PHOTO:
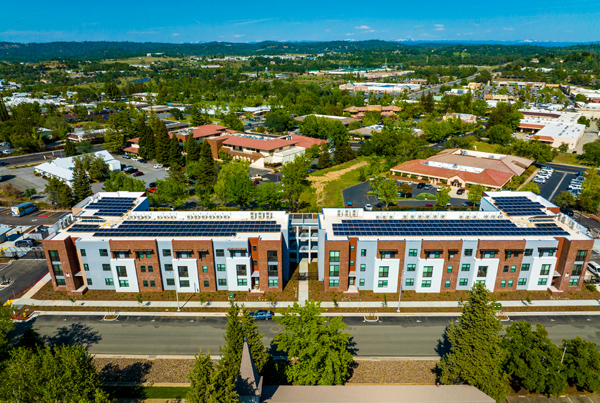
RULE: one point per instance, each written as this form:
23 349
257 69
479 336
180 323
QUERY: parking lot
23 274
151 174
559 181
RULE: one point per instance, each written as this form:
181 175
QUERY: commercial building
62 168
358 112
116 244
552 127
465 117
344 120
380 88
458 167
517 241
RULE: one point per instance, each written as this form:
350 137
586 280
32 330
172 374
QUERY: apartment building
115 243
517 241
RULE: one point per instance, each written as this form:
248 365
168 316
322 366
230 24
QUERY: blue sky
250 21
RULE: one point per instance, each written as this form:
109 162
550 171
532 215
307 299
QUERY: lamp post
399 296
177 294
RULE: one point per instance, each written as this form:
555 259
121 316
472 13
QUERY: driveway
23 274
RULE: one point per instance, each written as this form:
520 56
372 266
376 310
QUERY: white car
538 180
368 207
158 166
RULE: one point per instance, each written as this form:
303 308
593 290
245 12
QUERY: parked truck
23 208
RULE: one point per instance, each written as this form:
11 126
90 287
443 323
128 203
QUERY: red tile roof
133 150
265 145
531 126
134 140
208 130
306 142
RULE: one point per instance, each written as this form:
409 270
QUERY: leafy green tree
388 190
476 354
564 200
443 196
474 193
192 150
591 152
145 138
233 184
232 121
405 188
119 181
279 121
532 360
228 365
70 149
175 154
111 90
316 346
582 362
171 190
479 107
343 152
324 157
29 192
59 193
499 134
3 111
113 140
505 114
94 166
208 167
484 76
176 113
82 187
269 195
197 118
531 187
162 142
85 147
6 327
200 379
294 180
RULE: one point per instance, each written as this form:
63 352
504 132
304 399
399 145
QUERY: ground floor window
542 281
60 281
222 282
170 281
242 281
426 283
463 282
334 283
382 283
273 283
123 283
572 282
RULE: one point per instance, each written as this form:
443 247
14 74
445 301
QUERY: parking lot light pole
399 297
177 294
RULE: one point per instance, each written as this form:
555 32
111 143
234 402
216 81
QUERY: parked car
138 173
368 207
349 204
152 190
141 160
125 156
3 164
262 314
567 211
537 179
468 203
131 170
460 191
428 186
158 166
429 205
134 157
420 185
25 243
152 185
594 268
409 183
6 151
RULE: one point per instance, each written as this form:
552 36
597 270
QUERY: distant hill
34 52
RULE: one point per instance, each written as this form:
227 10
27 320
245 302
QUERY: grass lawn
345 165
147 392
566 158
485 147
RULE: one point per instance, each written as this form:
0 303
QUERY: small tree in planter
202 299
139 299
73 300
334 300
384 303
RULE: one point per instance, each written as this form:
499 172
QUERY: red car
138 173
429 205
152 190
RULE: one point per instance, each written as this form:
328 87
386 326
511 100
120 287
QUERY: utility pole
177 294
399 296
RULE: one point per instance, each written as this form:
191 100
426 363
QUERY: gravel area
133 370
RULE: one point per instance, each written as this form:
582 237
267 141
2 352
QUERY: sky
189 21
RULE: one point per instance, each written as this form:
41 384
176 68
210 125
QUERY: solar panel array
387 228
519 206
112 206
180 228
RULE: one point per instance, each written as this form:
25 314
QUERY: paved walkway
303 283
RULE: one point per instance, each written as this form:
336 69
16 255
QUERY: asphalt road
393 336
24 274
39 157
436 88
36 218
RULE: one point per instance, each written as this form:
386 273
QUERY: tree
233 184
176 113
269 195
279 121
532 360
232 121
531 187
171 190
499 134
82 187
175 155
59 193
484 76
294 174
479 107
85 147
6 327
253 336
119 181
29 192
343 152
565 199
505 114
70 149
591 152
584 121
3 112
145 138
192 150
200 379
208 168
113 140
388 190
111 90
443 196
316 346
405 188
197 118
162 141
474 193
582 363
476 354
94 166
324 157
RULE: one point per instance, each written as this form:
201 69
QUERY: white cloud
508 29
238 35
439 27
328 30
349 34
476 25
175 34
247 22
418 26
362 27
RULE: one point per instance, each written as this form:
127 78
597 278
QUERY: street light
177 294
399 297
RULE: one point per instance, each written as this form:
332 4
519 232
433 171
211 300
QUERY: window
411 267
465 267
271 256
513 268
183 254
488 254
272 270
143 269
412 252
480 282
363 267
463 282
522 281
109 281
82 251
202 254
253 248
545 270
242 281
123 283
382 283
577 269
168 267
206 283
166 252
449 269
505 269
152 283
572 282
204 269
86 267
426 283
547 252
388 254
121 271
139 255
220 267
482 271
581 254
255 263
150 269
433 254
334 283
241 269
509 254
503 283
510 283
61 281
528 252
145 282
183 271
184 283
447 283
525 267
468 252
409 282
89 281
428 271
220 252
334 270
273 282
334 255
351 248
542 281
384 271
53 255
352 263
171 281
121 255
361 282
363 252
451 254
104 252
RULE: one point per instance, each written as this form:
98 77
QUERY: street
412 336
23 274
435 89
39 157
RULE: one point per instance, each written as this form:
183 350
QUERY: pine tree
254 338
70 149
324 157
146 138
476 354
201 377
231 353
343 153
175 155
197 118
192 149
82 187
208 171
3 112
161 142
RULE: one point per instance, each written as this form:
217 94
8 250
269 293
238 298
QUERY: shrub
591 287
413 177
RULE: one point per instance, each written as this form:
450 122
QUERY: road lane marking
557 186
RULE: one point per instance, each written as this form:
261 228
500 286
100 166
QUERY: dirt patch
319 182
